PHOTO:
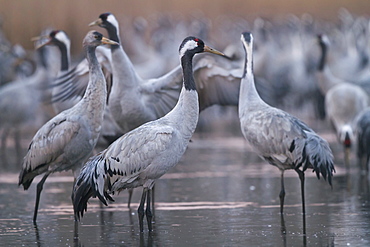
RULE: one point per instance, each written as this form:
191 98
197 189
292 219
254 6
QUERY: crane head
346 136
195 45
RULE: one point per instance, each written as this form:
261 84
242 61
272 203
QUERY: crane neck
248 65
113 34
248 97
185 114
323 57
65 51
187 68
65 54
96 87
42 54
123 70
91 56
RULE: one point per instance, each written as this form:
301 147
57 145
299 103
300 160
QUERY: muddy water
220 194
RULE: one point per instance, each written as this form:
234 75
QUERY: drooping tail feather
28 173
90 183
319 156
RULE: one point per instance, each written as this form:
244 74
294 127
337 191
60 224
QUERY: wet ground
220 194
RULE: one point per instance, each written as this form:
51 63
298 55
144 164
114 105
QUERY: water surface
220 194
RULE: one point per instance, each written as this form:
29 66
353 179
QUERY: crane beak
38 38
106 41
96 23
214 51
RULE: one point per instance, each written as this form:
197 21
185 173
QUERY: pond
220 194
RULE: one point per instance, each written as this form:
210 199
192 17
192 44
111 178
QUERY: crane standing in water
279 138
66 141
143 155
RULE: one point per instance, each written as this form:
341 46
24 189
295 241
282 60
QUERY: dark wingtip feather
26 177
85 188
320 157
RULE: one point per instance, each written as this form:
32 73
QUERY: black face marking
53 33
104 16
98 36
247 37
200 44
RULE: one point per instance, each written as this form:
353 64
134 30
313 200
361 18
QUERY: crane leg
302 178
130 191
153 199
148 212
347 152
140 210
40 186
129 197
282 193
4 136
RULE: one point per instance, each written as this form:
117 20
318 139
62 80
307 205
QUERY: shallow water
220 194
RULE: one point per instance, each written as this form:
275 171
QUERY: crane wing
49 142
277 130
121 163
136 150
161 94
47 146
73 83
125 159
216 84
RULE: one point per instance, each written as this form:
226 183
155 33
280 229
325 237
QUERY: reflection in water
37 234
283 229
219 195
75 232
149 239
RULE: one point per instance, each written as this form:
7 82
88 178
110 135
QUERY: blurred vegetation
23 19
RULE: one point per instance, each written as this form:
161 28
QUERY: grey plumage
343 100
59 39
144 154
363 139
278 137
65 95
66 141
21 102
134 101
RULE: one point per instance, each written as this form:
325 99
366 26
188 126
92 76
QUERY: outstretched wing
217 82
73 83
161 94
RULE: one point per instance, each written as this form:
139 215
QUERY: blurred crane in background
343 101
21 103
363 139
